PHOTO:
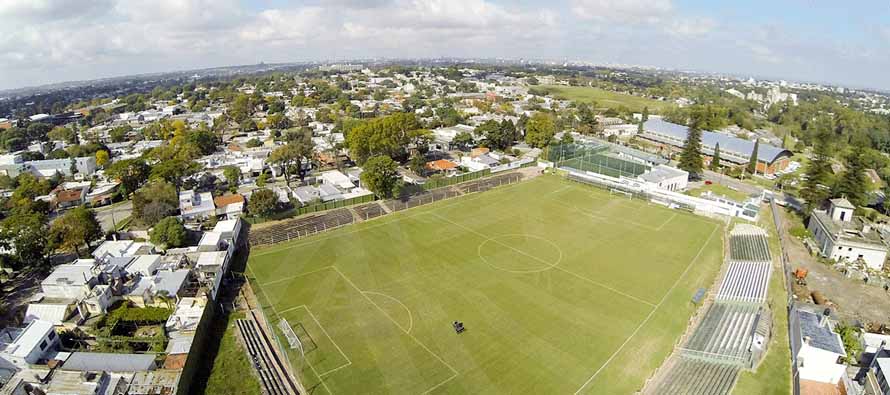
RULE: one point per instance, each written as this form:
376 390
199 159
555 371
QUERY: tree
690 157
233 176
286 157
645 115
752 162
416 164
852 184
168 233
262 179
380 175
25 233
76 228
463 140
567 138
154 202
819 173
101 158
119 134
390 135
715 160
539 130
60 133
131 173
262 202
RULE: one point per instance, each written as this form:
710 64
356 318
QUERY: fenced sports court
595 158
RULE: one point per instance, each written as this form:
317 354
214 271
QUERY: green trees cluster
380 176
262 202
168 233
155 201
76 228
539 130
390 136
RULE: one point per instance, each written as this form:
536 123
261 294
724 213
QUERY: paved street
110 215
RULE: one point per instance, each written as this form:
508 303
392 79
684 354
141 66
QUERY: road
108 216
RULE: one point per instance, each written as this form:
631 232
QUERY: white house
194 205
23 346
842 237
667 177
72 281
816 348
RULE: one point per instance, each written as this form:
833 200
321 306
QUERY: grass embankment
232 372
719 190
606 99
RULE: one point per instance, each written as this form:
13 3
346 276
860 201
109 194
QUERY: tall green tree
690 157
154 202
77 228
539 130
168 233
380 176
715 160
752 162
817 186
262 202
131 173
24 232
852 183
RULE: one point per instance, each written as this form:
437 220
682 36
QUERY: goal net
613 191
295 344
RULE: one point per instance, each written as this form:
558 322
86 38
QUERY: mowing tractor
800 276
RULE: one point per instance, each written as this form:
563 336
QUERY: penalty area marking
410 316
548 265
340 350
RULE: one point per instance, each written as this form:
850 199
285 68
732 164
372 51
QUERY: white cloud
624 11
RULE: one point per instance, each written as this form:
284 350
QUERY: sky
839 42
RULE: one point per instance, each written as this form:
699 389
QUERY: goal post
295 344
613 191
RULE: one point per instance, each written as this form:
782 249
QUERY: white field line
410 316
454 371
348 361
603 218
648 317
272 306
326 236
340 350
556 191
543 261
660 227
288 278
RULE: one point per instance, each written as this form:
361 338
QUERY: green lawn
606 99
562 288
718 189
233 373
773 375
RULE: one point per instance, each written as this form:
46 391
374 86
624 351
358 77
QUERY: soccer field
563 289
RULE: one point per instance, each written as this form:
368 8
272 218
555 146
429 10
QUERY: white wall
874 259
819 365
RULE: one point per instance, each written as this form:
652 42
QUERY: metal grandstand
723 341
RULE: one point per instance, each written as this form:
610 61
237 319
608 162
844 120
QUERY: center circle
520 253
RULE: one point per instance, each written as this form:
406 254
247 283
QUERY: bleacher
694 376
721 344
745 282
300 227
725 333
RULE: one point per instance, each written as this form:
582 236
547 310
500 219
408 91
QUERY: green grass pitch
563 289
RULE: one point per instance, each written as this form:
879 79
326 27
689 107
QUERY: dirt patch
853 299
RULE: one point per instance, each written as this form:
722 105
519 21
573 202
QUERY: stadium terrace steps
726 330
745 282
695 376
720 345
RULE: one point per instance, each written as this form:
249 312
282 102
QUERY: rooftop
656 126
109 362
854 230
820 336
